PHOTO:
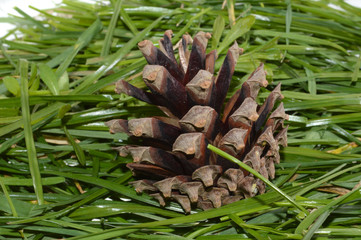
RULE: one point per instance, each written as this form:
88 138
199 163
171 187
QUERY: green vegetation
60 177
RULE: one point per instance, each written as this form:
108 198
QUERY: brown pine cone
173 162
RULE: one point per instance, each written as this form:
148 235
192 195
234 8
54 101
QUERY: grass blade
312 87
31 151
356 69
12 85
49 78
318 223
8 198
126 19
78 150
218 28
231 16
110 30
288 19
14 181
242 26
299 37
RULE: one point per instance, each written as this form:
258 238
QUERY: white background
7 7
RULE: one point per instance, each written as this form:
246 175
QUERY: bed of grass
60 178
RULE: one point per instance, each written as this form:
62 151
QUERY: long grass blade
110 30
31 150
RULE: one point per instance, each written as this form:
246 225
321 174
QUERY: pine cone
173 161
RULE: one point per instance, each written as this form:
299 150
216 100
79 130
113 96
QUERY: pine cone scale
197 56
154 56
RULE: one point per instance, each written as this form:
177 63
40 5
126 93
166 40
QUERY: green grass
57 75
